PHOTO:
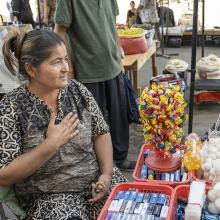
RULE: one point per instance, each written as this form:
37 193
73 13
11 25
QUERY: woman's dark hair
33 47
132 2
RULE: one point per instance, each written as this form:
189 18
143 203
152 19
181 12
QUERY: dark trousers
111 98
28 20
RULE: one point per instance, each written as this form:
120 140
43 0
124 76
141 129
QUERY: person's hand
100 188
15 19
61 133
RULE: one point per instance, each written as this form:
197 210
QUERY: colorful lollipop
162 115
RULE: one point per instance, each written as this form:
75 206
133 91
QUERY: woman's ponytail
33 48
11 51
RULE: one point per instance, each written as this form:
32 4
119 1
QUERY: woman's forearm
104 153
26 164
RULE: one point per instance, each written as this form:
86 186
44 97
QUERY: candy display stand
162 113
161 164
137 172
141 187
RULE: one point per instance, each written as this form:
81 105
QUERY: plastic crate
137 171
140 187
179 192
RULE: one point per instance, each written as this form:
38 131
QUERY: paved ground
204 114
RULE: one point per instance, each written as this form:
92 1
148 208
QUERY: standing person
131 15
40 16
22 12
9 7
90 30
47 11
49 8
55 145
148 13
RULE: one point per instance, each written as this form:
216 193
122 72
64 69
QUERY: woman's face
132 5
52 73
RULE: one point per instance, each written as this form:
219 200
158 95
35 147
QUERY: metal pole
39 15
203 27
193 64
162 32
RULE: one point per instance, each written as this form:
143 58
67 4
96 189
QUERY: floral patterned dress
60 189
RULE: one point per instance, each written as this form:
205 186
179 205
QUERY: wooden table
134 63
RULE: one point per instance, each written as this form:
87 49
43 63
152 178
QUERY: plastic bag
7 197
176 65
209 63
131 96
133 45
216 132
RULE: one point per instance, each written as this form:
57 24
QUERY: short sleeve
99 125
64 13
10 138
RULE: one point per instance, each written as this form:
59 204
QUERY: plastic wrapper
176 65
209 64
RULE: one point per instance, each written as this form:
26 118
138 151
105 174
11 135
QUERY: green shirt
91 37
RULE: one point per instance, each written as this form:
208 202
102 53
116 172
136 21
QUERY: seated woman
55 145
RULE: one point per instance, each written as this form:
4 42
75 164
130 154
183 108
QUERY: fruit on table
133 32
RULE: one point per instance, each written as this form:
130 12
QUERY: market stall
167 163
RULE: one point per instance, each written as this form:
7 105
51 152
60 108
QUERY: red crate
179 192
140 187
137 171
